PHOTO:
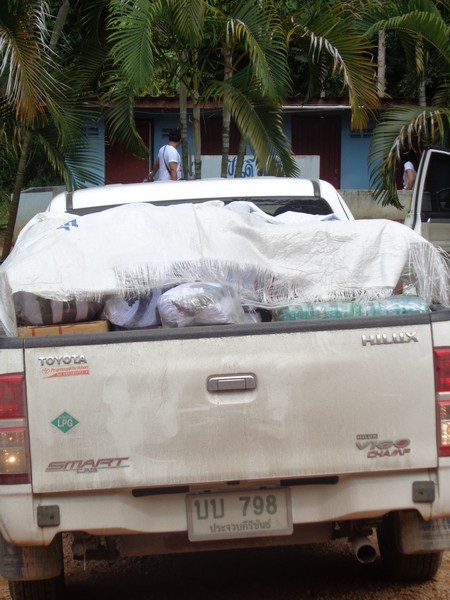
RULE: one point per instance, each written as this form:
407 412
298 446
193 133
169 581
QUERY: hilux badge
380 339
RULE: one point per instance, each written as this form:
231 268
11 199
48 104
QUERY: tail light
442 385
14 456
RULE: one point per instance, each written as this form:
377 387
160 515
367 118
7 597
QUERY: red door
317 134
123 167
211 132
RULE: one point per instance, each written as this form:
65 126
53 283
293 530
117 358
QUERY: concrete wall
363 206
32 202
309 166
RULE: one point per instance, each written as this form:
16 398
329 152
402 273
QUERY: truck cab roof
272 194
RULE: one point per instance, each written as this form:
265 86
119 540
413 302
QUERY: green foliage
421 31
400 129
337 58
42 92
247 56
41 100
192 41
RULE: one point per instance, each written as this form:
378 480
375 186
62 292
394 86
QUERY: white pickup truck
429 213
158 440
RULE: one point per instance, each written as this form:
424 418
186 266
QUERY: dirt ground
325 572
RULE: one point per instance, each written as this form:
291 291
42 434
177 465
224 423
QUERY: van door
430 207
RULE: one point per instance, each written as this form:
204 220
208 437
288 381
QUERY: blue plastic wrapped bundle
336 309
395 305
316 310
136 313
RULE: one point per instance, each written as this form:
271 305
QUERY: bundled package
135 313
402 304
32 309
190 304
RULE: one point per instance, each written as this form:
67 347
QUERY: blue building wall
354 156
95 131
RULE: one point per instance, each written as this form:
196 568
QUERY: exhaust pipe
363 549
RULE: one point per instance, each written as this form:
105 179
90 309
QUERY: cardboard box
69 329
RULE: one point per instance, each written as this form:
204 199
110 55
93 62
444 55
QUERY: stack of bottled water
401 304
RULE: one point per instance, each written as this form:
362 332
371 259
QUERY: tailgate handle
230 383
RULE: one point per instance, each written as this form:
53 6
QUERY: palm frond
331 34
429 25
120 122
259 28
27 61
188 20
92 16
398 130
131 38
442 96
260 122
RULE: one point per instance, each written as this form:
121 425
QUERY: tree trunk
197 135
196 116
226 117
422 94
226 122
240 157
381 83
184 130
61 18
421 60
14 206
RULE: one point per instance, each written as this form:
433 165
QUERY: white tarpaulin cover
132 249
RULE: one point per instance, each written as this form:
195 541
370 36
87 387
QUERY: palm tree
38 100
24 94
187 25
193 31
420 26
254 83
144 44
326 34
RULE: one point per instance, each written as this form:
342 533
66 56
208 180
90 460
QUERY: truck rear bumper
35 520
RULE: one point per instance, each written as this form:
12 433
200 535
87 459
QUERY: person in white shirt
409 175
168 161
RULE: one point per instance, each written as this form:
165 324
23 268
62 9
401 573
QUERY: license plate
239 514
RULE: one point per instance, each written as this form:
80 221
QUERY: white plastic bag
190 304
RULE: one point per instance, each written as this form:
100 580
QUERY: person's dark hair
174 135
409 155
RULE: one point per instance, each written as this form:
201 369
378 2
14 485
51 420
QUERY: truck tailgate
310 401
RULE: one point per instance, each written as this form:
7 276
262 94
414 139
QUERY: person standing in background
409 174
168 161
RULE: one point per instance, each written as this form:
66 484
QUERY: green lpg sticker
64 422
